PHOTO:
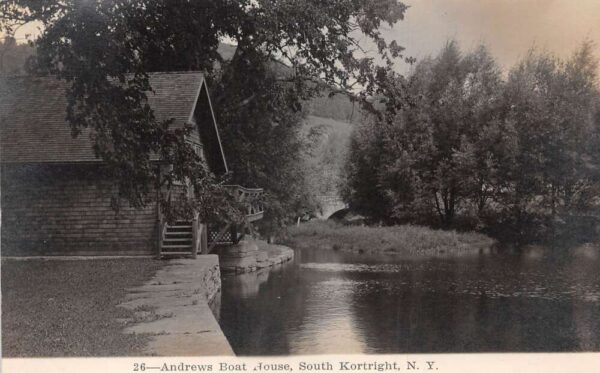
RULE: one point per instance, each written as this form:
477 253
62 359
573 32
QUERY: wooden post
159 233
233 232
204 239
194 237
160 241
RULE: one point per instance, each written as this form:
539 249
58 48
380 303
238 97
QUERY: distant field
406 240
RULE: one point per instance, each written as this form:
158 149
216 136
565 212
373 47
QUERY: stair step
177 233
176 253
167 246
185 239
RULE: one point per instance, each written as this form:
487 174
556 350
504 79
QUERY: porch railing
250 199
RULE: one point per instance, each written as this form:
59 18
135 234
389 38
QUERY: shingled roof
33 116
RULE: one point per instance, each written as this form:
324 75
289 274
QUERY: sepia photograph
288 178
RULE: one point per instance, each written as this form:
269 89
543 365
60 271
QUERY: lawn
69 308
409 240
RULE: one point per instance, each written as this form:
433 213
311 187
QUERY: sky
509 28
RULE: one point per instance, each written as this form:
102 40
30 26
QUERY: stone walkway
173 307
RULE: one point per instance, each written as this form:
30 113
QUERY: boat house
55 197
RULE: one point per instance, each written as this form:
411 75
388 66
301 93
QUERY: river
332 302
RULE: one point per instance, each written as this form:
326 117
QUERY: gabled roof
33 126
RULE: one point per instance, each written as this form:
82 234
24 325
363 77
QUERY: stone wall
251 255
240 257
66 210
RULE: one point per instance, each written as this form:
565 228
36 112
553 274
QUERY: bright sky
508 27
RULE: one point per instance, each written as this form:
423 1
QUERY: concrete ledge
275 254
173 307
248 256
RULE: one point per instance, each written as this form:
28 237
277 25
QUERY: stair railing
162 226
195 235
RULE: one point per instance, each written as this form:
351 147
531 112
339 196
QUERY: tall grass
401 239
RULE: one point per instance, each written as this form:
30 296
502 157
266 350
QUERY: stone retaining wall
248 256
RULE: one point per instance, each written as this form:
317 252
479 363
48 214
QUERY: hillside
338 107
330 140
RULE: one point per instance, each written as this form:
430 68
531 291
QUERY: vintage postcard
300 185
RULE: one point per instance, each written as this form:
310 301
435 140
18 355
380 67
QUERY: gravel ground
69 308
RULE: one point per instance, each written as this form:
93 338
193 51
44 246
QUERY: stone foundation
248 256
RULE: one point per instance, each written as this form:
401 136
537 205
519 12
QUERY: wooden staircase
178 238
189 238
182 238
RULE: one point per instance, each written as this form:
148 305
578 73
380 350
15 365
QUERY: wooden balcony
250 199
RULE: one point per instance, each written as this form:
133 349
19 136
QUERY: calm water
331 302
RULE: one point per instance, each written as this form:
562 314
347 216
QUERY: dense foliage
472 147
262 135
14 56
105 48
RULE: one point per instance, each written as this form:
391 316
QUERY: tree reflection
338 302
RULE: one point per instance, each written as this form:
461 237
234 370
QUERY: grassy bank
69 308
404 239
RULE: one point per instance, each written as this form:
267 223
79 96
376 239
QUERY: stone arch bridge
330 204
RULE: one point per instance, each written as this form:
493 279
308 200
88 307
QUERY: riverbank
69 307
408 240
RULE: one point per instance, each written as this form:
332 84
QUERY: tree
105 48
520 154
365 162
14 57
551 106
438 148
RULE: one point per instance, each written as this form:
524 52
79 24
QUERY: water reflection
333 302
329 312
586 320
